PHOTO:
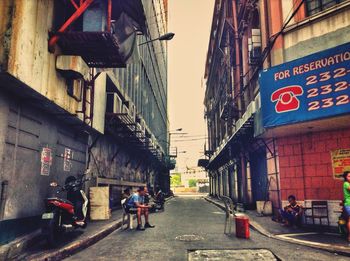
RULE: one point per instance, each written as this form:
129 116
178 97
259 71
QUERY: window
316 6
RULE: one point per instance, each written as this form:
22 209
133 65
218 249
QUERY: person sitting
126 193
292 213
146 197
137 202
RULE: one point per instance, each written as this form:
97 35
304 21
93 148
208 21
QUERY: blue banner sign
313 87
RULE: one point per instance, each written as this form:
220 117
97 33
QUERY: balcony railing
107 34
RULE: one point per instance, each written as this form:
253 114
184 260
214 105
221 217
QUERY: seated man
292 213
136 202
126 193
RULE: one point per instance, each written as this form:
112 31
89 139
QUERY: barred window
316 6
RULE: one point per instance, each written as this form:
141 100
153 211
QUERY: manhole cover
238 254
189 238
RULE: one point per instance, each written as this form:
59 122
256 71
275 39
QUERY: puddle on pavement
236 254
189 238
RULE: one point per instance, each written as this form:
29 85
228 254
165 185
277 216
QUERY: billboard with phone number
313 87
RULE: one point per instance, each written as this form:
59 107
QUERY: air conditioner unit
125 109
114 103
143 126
255 55
139 130
150 143
153 139
254 47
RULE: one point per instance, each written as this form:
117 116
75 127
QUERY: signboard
67 159
46 161
340 162
313 87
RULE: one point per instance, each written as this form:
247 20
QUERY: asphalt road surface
192 229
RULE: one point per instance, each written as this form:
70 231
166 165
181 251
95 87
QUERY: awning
134 9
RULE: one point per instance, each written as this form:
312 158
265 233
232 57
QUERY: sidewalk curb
17 246
345 251
79 245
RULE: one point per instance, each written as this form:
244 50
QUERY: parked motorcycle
159 200
64 215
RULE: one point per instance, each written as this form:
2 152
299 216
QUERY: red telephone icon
286 98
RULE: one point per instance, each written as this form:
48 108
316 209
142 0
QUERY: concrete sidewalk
73 241
34 247
323 240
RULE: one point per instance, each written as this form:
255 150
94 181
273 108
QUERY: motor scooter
64 215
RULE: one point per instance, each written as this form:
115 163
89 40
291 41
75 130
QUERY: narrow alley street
220 110
189 216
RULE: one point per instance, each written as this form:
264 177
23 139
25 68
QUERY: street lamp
165 37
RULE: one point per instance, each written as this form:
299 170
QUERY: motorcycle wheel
51 231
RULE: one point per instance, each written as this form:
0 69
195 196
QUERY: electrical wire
270 45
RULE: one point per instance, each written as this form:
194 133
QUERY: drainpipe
267 30
244 179
277 173
237 83
3 197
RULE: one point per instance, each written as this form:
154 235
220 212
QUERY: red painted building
259 155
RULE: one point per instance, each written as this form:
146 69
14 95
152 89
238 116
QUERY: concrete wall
307 35
28 133
24 29
110 160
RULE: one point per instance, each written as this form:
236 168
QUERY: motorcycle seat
61 200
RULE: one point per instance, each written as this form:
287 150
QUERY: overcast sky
190 20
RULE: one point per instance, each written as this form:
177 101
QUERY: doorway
258 167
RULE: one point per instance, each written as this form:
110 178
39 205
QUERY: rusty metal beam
74 4
84 5
109 15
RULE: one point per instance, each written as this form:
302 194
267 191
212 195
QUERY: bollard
242 226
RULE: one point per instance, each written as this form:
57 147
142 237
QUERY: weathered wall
28 132
100 101
316 33
108 159
6 11
305 164
25 55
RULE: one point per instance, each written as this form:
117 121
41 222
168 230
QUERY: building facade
84 98
277 102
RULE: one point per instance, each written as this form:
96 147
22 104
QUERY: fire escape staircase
101 50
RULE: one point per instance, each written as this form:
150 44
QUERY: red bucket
242 227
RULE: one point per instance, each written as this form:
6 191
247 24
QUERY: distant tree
175 180
192 183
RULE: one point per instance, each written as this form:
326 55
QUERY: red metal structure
99 49
79 11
